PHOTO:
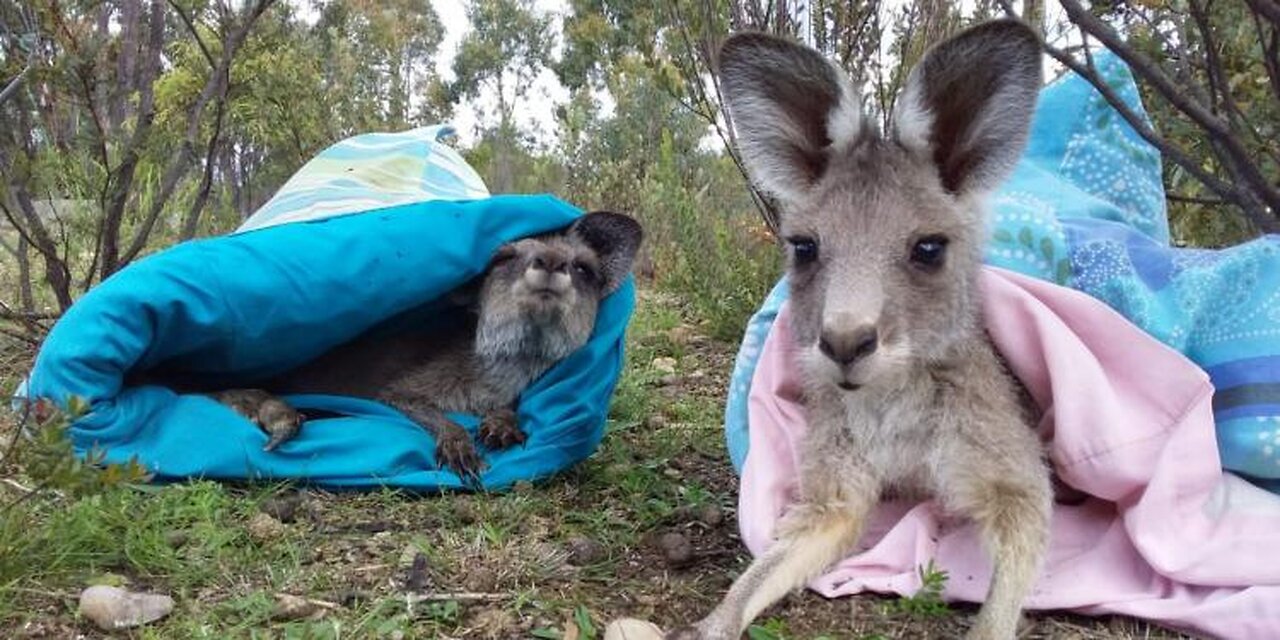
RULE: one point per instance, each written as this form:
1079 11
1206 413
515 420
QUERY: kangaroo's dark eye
584 270
805 250
928 252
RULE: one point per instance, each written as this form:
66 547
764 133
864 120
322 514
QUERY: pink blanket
1166 536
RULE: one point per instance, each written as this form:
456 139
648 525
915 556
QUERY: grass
555 560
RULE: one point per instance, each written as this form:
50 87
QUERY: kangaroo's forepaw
500 431
280 421
456 451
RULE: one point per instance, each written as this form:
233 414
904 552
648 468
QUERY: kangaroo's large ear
969 101
790 108
615 238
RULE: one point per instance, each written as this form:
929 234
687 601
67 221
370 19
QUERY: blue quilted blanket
1085 208
268 298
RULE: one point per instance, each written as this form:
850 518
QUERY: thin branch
1268 9
216 86
1259 190
18 335
121 182
1270 47
12 86
1194 199
726 133
1229 192
7 313
195 33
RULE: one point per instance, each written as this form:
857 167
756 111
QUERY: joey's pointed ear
615 238
790 108
968 104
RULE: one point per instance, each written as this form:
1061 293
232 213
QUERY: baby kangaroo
903 390
536 304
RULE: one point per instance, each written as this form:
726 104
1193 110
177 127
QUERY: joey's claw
460 455
500 432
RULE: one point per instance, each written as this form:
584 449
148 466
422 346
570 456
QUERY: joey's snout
847 345
548 272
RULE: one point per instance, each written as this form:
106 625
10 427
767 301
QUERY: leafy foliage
927 602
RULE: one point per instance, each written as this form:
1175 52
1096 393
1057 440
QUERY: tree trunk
126 64
25 297
122 179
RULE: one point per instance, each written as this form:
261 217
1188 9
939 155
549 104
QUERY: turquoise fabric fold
248 305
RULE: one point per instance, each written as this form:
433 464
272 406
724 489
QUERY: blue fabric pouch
256 303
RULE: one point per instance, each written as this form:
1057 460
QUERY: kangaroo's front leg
277 418
454 448
1011 505
811 536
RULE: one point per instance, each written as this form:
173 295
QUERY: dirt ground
645 528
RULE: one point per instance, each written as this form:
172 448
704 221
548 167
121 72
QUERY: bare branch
215 88
195 33
12 86
121 182
1253 193
1174 197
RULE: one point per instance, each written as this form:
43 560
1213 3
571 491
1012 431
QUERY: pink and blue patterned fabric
1085 208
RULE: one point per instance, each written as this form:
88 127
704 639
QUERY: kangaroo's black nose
848 346
551 263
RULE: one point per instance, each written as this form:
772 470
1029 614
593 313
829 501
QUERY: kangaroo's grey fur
537 304
904 392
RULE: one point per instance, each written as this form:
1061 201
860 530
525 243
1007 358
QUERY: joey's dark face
546 279
546 290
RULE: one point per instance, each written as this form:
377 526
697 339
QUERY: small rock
664 365
417 579
632 629
672 472
291 607
114 608
710 515
676 550
655 421
584 551
264 528
669 380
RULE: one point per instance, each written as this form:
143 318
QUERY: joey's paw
458 453
500 431
281 422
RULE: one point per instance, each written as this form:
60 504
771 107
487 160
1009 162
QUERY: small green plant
770 629
927 602
444 612
43 451
582 618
